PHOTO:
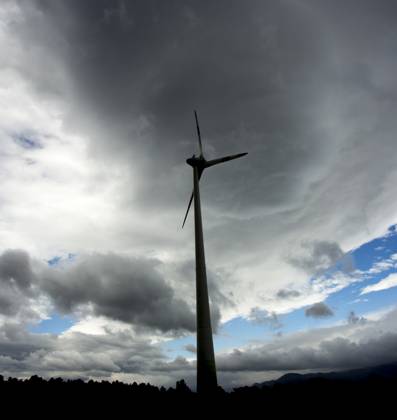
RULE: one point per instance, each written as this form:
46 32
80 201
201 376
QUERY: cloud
15 269
191 348
354 319
295 84
261 316
386 283
287 294
340 347
27 142
282 85
118 352
319 310
75 354
338 353
182 277
122 288
319 255
19 295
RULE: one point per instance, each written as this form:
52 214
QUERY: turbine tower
206 368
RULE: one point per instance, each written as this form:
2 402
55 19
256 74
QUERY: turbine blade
188 208
191 199
223 159
198 133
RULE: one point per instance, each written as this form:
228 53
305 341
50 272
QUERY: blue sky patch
365 265
54 325
27 142
58 259
54 261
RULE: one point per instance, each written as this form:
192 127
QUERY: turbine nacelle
197 161
201 163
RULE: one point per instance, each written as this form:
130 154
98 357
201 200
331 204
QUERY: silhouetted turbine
206 368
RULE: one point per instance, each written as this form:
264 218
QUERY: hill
381 372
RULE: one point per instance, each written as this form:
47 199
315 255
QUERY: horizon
97 278
369 373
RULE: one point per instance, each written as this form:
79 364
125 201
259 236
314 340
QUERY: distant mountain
388 371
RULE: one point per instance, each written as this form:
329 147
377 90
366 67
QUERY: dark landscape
358 390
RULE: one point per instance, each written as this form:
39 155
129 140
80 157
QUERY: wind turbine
206 368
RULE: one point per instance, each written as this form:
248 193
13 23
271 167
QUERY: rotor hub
196 161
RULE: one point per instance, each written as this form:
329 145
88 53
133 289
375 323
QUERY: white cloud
54 198
386 283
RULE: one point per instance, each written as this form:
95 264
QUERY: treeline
102 396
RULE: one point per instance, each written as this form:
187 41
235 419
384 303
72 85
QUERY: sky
97 98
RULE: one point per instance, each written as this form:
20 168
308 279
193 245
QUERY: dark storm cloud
319 255
18 344
326 348
75 354
82 355
319 310
15 268
182 277
10 300
141 68
16 284
338 353
218 299
292 83
121 288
